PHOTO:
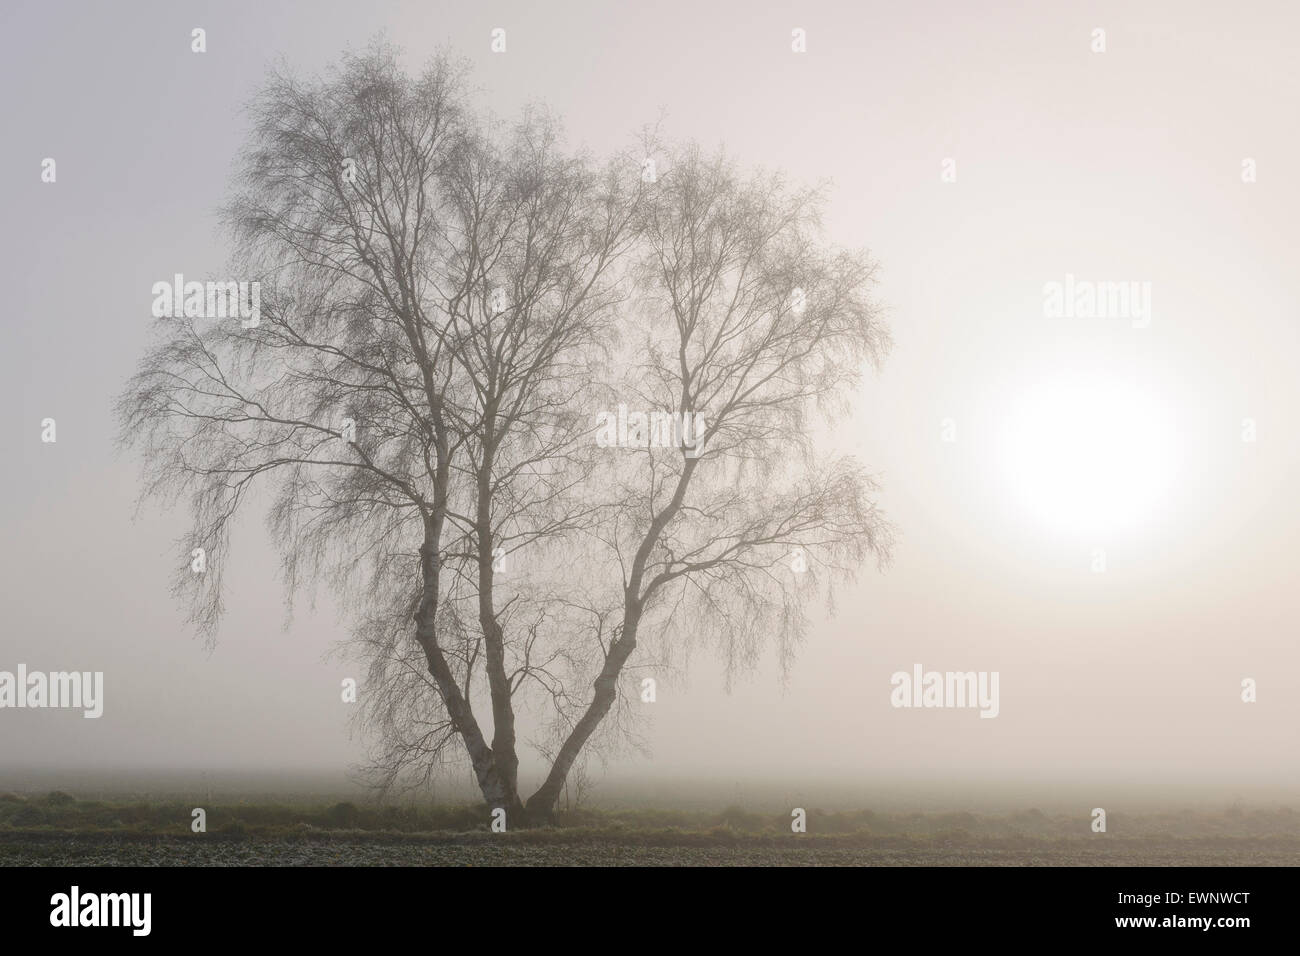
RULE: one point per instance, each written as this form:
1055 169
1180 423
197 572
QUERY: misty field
56 829
602 850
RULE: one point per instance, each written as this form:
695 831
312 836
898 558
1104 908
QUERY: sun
1088 456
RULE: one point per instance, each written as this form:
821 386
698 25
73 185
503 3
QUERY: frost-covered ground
58 828
478 851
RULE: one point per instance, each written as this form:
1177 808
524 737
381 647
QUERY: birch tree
450 309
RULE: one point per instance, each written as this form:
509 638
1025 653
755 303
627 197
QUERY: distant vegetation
59 813
58 829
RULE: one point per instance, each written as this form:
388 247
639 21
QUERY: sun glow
1089 456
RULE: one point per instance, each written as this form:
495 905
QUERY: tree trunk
496 790
541 805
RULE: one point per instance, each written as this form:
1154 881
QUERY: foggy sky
1124 165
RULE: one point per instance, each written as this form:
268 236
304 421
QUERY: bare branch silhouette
448 308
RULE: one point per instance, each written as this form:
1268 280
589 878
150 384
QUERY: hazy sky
1122 166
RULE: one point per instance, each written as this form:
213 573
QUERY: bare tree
446 305
748 324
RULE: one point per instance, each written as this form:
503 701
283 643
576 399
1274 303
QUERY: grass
58 815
